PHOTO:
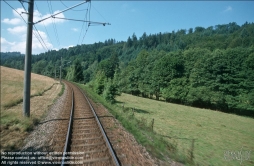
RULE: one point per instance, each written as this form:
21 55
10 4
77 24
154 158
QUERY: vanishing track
80 137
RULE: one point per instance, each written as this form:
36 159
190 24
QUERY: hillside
201 67
14 126
12 85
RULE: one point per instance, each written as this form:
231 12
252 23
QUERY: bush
110 92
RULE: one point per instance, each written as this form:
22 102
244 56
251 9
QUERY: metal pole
61 71
27 68
55 71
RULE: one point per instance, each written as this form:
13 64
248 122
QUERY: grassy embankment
13 125
184 131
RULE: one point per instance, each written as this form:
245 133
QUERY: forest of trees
203 67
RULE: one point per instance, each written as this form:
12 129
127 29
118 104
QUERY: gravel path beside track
39 139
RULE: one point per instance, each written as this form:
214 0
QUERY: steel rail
67 141
112 152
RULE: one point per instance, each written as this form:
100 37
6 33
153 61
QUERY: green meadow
215 138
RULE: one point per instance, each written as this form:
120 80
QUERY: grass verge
62 90
141 130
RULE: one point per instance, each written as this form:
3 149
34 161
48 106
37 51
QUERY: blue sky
125 17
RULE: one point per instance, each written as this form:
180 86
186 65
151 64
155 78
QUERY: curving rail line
86 135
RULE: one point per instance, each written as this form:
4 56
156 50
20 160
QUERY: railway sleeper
80 135
84 127
83 116
82 121
87 138
93 130
87 142
89 146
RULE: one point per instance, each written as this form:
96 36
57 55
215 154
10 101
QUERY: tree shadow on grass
136 110
119 102
141 111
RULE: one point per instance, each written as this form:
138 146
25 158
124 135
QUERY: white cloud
20 43
67 47
229 8
74 29
6 45
17 20
17 30
14 21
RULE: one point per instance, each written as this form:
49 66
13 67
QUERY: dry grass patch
214 132
12 85
15 127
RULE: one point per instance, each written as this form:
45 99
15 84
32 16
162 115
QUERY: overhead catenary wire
83 24
44 25
91 22
15 11
72 9
36 35
85 34
84 21
99 13
52 16
22 5
62 11
53 22
40 37
55 25
87 25
26 23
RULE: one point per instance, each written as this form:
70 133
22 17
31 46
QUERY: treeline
219 79
12 59
203 67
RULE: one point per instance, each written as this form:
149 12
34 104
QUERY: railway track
80 137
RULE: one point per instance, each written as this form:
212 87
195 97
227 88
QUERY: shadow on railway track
106 116
51 120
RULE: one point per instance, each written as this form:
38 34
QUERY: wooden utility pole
28 57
